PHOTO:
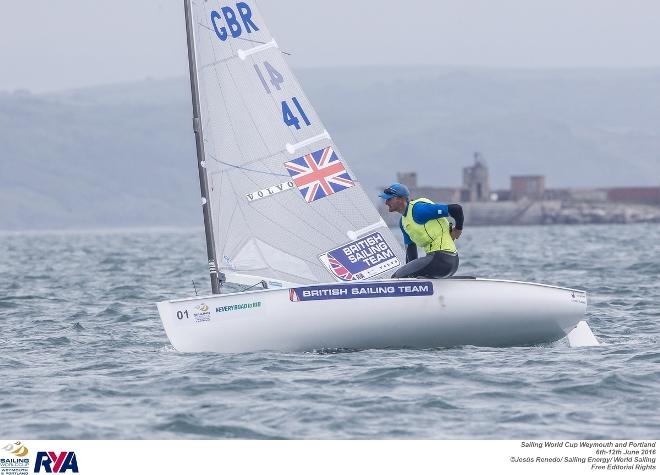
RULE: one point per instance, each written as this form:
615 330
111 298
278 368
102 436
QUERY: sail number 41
276 79
290 118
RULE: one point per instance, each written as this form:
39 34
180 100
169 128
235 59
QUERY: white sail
283 200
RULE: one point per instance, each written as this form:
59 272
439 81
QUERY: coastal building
527 186
646 195
476 185
528 201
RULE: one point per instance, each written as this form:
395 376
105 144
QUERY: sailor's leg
442 265
414 268
454 267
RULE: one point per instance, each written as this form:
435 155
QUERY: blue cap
395 190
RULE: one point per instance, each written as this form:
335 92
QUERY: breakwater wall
528 212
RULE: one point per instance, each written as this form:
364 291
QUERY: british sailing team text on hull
406 287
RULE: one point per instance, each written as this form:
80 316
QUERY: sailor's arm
411 247
424 212
456 212
411 252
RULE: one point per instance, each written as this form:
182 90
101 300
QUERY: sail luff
201 157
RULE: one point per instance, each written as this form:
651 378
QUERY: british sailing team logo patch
361 259
319 174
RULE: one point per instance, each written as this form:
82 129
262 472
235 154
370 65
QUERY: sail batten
285 203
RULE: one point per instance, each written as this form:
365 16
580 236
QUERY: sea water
84 354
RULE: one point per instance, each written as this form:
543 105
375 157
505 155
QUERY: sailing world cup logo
19 463
17 449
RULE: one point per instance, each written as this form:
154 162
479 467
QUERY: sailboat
287 221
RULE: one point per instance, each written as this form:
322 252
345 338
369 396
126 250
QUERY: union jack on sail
319 174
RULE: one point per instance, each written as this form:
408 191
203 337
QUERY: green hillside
123 155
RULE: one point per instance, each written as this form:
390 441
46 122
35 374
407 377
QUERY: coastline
548 212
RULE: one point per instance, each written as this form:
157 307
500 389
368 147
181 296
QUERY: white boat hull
455 312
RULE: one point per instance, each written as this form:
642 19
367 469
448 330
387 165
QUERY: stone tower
475 180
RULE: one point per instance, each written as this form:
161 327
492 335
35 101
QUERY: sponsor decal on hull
202 312
579 297
240 306
361 291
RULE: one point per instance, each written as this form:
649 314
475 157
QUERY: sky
48 45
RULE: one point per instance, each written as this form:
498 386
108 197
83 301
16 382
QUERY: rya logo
56 463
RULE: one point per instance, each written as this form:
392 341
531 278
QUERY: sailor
424 223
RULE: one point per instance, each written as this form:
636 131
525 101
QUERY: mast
216 278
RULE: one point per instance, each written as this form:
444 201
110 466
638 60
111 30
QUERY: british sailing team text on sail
372 250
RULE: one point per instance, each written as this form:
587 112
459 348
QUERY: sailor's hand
456 233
